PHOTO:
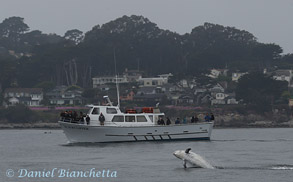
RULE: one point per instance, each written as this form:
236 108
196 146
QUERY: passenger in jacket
102 119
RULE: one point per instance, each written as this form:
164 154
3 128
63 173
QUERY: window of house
129 118
141 119
96 111
111 111
118 119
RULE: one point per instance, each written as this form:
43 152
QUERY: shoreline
30 126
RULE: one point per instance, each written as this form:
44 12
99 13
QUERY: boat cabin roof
116 110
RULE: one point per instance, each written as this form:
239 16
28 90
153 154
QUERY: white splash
282 168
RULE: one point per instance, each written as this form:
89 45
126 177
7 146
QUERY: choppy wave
276 167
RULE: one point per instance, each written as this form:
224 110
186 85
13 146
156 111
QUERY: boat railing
72 120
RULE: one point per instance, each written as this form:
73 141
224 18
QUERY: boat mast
117 85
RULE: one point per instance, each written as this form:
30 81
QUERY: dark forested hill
29 58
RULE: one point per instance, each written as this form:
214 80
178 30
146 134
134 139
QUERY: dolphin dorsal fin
187 150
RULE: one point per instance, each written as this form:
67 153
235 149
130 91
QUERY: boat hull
77 133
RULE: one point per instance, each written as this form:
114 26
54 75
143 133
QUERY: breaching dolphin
192 159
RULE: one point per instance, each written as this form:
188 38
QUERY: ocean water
238 154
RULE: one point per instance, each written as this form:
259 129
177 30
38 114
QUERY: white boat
130 127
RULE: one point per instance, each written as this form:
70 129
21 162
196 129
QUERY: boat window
141 119
129 118
96 111
89 111
151 118
118 119
111 111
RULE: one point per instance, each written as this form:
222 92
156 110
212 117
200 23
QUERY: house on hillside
237 76
231 100
215 73
132 75
223 98
154 81
107 79
61 95
185 100
218 88
26 96
284 75
151 82
219 99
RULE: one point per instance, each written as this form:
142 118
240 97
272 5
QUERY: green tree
74 35
12 27
260 91
8 70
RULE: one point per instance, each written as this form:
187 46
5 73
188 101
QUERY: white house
167 76
219 99
107 79
231 100
62 96
284 75
184 83
215 73
26 96
132 75
150 82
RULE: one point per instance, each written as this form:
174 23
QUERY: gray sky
269 20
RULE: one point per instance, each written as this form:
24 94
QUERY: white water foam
282 168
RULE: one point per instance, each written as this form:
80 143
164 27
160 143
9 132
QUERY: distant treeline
32 58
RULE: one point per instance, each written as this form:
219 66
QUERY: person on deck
212 117
207 118
162 122
102 119
75 115
192 119
177 121
184 121
196 119
168 122
87 119
159 121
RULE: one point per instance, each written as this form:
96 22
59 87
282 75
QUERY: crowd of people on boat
194 119
74 117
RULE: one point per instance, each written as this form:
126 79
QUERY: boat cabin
114 117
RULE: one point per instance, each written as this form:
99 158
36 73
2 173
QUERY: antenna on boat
157 104
108 100
117 85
